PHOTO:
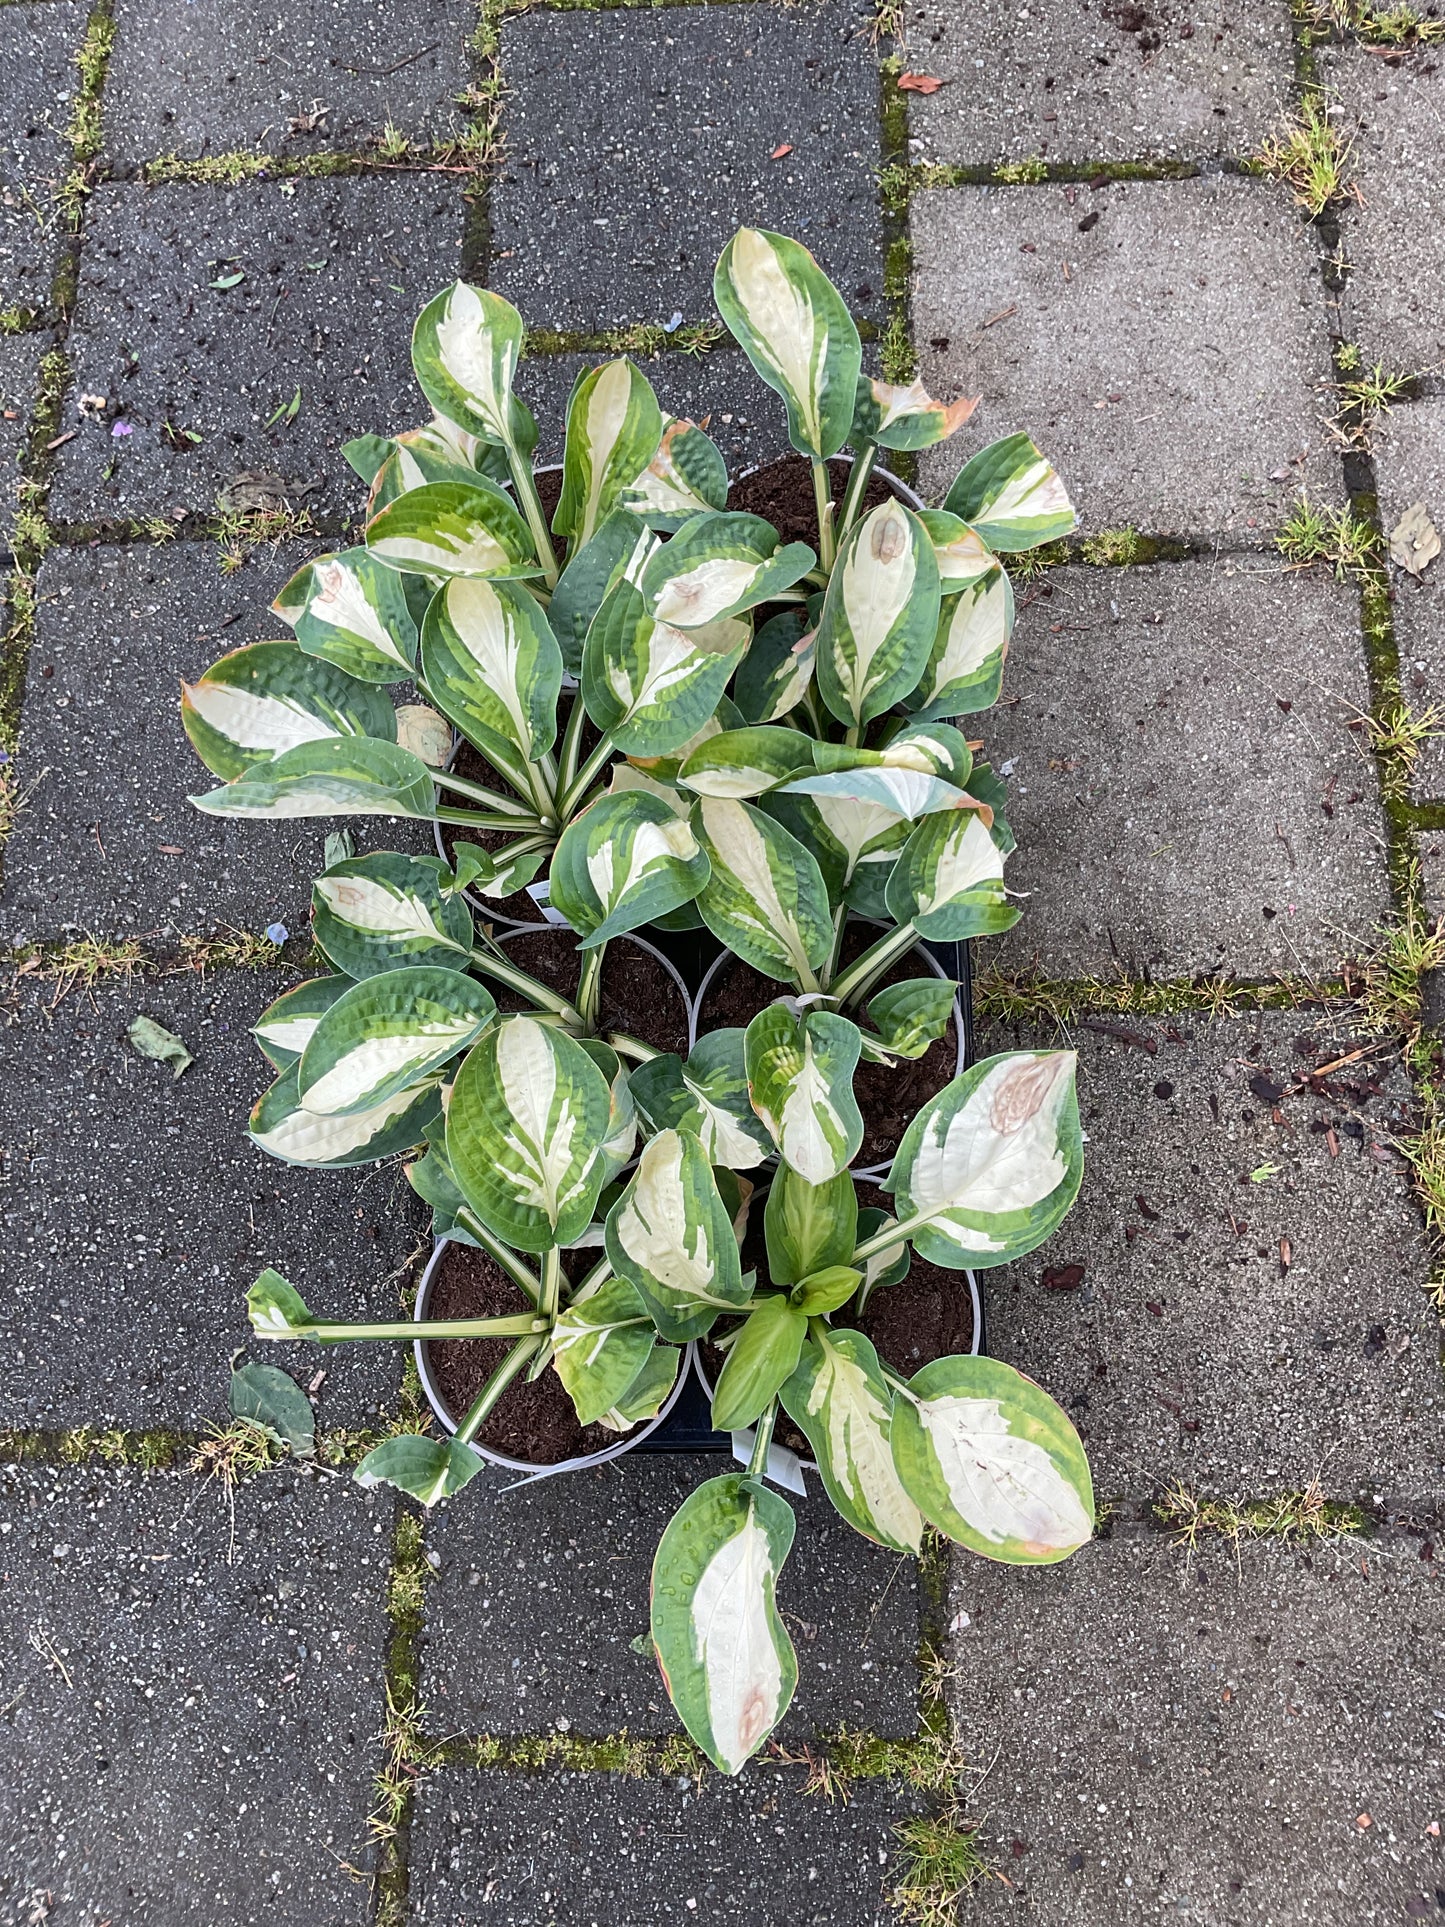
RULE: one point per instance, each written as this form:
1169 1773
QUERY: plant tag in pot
541 895
785 1468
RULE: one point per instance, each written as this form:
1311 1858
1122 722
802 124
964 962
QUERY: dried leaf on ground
1414 540
162 1046
918 84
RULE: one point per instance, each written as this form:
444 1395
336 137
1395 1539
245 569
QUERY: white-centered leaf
352 610
800 1068
686 476
893 415
613 428
600 1344
708 1096
671 1235
387 1033
795 329
338 776
625 861
281 1126
387 912
258 702
948 880
493 666
651 686
727 1660
879 617
454 529
765 896
989 1167
464 349
1012 497
840 1398
286 1027
964 672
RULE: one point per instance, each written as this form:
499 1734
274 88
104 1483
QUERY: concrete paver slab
170 1665
1409 448
335 273
38 79
137 1213
1184 787
1080 82
1164 342
1393 114
188 78
107 843
1252 1312
1247 1741
541 1591
595 1847
638 142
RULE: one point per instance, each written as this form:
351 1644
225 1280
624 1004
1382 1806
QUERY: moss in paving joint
152 1451
1340 20
942 1863
405 1752
1014 997
1304 1517
641 338
92 59
900 177
473 150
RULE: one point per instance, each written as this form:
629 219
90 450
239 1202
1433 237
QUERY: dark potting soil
782 493
889 1096
537 1422
638 995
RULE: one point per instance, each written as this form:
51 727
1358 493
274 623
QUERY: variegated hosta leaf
887 1267
586 580
387 1033
426 1469
285 1029
665 768
852 841
424 455
720 565
387 912
528 1117
901 792
993 1462
282 1126
492 665
671 1234
800 1077
646 1395
840 1398
600 1344
964 672
613 427
745 762
1012 497
905 417
777 671
651 685
351 610
726 1658
880 615
960 552
624 862
808 1227
621 1139
823 1292
912 1015
258 702
338 776
464 349
454 528
792 324
686 476
707 1096
989 1167
628 780
948 880
500 873
765 897
762 1355
434 1182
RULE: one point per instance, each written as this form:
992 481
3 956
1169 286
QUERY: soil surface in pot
782 493
889 1096
928 1315
638 995
538 1422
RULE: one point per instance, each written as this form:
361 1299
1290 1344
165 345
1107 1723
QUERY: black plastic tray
688 1426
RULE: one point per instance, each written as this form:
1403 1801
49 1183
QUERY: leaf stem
823 500
479 793
632 1047
551 1284
861 975
487 819
758 1463
513 1325
481 1407
508 973
589 987
536 516
584 779
571 746
857 487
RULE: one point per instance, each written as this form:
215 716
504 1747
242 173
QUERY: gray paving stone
638 142
1081 82
1409 447
137 1213
744 417
1394 233
1189 1351
192 1697
1430 853
105 764
336 272
541 1590
1172 359
210 78
1248 1741
1183 784
37 75
593 1848
20 357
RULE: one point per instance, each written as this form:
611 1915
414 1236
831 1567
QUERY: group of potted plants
647 705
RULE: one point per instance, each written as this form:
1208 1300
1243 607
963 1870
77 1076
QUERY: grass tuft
1298 1518
1112 548
1014 997
236 1452
241 532
1398 26
228 949
1309 155
1337 537
1397 735
942 1862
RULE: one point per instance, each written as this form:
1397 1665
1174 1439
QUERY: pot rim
511 934
909 497
624 1443
868 1172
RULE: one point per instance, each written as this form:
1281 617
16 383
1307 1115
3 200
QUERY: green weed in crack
1309 155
